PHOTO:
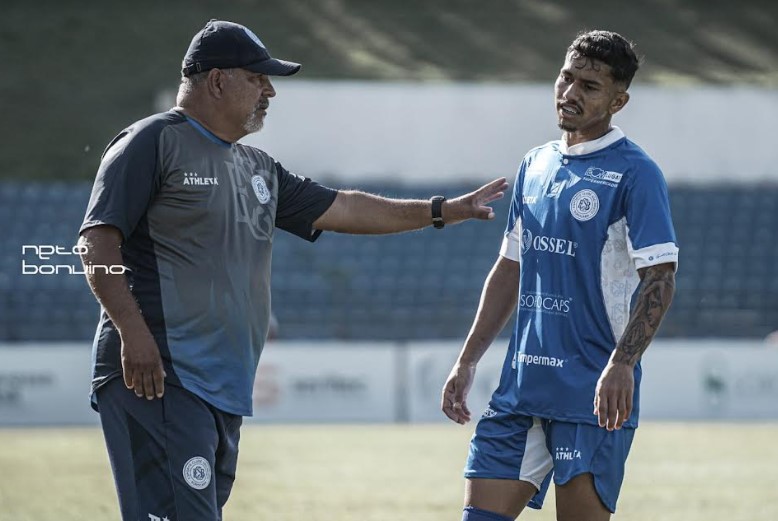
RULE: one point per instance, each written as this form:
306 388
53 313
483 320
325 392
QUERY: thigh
589 464
507 497
577 500
162 453
508 464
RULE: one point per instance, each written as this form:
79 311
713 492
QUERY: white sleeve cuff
655 254
511 244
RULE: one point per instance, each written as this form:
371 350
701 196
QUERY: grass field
677 471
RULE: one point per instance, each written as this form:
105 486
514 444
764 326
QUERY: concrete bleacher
419 285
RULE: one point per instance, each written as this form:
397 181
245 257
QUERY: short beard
567 127
254 123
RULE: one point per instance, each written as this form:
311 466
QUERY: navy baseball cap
227 45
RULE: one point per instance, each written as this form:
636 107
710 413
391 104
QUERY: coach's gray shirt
197 215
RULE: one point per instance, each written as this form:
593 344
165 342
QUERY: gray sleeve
126 182
300 202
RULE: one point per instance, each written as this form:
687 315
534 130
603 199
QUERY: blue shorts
513 446
173 458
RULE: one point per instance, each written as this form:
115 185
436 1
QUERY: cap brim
274 67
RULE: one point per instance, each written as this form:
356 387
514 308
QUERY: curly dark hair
610 48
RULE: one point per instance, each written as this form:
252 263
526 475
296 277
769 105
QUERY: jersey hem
198 391
630 424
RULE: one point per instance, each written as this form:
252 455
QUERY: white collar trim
587 147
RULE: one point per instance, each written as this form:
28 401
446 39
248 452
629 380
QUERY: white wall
384 382
440 132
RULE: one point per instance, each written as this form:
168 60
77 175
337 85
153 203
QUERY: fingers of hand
612 409
148 385
127 377
484 212
454 406
622 412
159 382
602 410
497 185
137 382
492 197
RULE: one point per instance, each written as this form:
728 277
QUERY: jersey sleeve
511 242
300 202
650 232
126 182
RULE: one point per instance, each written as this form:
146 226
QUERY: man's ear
619 102
215 81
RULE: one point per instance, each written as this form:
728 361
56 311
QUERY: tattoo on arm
653 301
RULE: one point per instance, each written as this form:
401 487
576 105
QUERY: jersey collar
587 147
204 131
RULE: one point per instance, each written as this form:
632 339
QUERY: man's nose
572 92
267 89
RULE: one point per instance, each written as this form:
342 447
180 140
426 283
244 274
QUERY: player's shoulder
547 149
551 146
153 125
141 136
145 131
638 161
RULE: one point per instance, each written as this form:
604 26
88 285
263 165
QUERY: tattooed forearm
653 301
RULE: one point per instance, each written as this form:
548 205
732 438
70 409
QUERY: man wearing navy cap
191 214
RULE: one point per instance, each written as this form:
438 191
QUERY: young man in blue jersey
191 214
589 227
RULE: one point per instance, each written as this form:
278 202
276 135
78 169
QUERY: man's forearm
379 215
111 290
363 213
653 301
498 301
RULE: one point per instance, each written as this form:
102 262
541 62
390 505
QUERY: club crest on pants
197 472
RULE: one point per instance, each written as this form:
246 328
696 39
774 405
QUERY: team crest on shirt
585 205
197 472
260 189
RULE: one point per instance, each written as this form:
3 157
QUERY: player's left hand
453 402
474 204
613 395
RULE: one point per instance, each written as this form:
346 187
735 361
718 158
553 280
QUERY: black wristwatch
437 211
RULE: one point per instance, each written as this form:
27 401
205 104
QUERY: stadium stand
421 285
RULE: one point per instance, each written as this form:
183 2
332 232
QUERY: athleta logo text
549 244
193 178
566 454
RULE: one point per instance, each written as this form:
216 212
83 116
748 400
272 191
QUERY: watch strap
437 211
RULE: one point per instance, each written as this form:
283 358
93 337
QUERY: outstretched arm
498 300
613 396
363 213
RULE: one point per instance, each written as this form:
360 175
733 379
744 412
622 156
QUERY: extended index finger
498 185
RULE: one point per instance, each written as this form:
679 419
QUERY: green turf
677 471
75 73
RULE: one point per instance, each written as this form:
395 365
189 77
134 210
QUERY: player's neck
576 137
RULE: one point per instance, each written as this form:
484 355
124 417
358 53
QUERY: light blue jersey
583 220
